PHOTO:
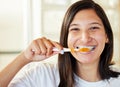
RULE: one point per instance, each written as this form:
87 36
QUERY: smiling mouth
84 49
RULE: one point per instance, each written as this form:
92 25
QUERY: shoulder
38 73
114 82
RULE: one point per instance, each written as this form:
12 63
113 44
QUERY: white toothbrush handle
62 51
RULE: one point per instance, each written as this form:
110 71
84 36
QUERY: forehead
86 14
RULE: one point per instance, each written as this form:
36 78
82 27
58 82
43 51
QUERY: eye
74 29
94 28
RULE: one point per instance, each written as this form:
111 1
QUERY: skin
87 30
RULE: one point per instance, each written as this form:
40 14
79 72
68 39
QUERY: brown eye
74 29
93 28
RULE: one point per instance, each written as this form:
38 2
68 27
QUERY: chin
85 61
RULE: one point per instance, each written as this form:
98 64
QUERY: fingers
42 47
35 47
57 45
45 46
49 46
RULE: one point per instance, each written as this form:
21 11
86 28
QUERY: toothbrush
83 49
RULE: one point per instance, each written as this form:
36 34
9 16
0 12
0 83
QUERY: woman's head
106 55
84 5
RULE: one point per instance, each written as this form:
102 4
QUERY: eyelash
91 28
74 29
94 28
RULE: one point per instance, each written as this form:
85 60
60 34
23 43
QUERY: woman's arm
38 50
11 69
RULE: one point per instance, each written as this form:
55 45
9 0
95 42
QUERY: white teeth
89 47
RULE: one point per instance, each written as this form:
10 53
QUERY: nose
85 37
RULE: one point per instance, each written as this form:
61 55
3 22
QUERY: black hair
67 62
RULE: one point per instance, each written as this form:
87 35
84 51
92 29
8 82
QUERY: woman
85 25
82 27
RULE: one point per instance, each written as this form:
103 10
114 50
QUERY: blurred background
21 21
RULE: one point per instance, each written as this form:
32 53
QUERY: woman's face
87 30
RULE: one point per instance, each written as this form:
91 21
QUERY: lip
85 49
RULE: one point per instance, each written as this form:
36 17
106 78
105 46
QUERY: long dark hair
66 62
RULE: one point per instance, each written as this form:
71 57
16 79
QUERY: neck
88 72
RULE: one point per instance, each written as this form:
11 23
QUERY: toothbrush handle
55 49
62 51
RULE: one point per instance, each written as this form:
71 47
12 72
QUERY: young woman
85 26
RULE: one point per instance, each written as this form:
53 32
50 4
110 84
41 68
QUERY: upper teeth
84 48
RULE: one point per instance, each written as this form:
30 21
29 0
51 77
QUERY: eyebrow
74 24
89 24
96 23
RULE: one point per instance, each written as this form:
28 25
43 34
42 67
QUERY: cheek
101 38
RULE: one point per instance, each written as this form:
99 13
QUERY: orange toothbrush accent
72 50
84 50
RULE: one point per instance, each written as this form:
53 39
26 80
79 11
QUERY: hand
41 49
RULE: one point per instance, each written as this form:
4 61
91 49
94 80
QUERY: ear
107 41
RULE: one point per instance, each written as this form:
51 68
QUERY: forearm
39 49
10 70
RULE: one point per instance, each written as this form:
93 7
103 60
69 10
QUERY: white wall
11 25
11 29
